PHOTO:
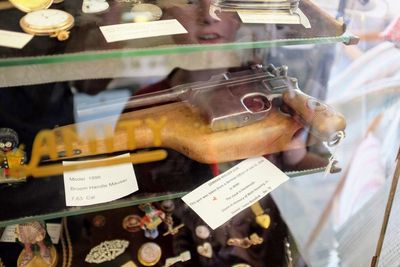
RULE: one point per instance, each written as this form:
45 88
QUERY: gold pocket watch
42 21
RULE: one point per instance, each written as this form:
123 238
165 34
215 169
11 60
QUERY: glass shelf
164 50
43 199
86 42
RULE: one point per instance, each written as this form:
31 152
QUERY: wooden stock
187 132
320 119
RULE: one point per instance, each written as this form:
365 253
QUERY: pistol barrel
140 101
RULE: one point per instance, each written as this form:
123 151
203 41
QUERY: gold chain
66 248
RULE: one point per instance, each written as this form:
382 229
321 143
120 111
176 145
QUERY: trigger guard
256 103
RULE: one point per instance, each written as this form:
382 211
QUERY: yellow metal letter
129 127
43 145
69 137
91 138
156 128
109 138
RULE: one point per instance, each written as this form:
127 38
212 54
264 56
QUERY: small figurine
31 234
11 156
151 220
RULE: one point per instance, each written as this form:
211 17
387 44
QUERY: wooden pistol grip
187 132
320 119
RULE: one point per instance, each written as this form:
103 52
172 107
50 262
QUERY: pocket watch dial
52 22
146 12
46 18
31 5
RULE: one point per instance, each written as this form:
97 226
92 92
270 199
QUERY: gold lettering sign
63 143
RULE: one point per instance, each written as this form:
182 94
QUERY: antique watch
52 22
40 20
31 5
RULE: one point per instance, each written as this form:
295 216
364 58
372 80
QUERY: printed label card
227 194
136 30
14 39
100 184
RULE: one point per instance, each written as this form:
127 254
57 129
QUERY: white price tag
99 185
54 231
268 17
9 234
14 39
221 198
136 30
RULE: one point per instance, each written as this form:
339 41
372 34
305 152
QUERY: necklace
289 259
66 244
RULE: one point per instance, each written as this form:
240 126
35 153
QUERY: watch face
46 22
146 12
46 18
31 5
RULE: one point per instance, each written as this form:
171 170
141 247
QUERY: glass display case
112 112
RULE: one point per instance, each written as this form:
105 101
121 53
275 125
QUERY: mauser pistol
237 99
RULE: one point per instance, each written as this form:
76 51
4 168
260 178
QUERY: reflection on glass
201 27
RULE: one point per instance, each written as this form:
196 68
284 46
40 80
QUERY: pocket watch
146 12
52 22
31 5
40 20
